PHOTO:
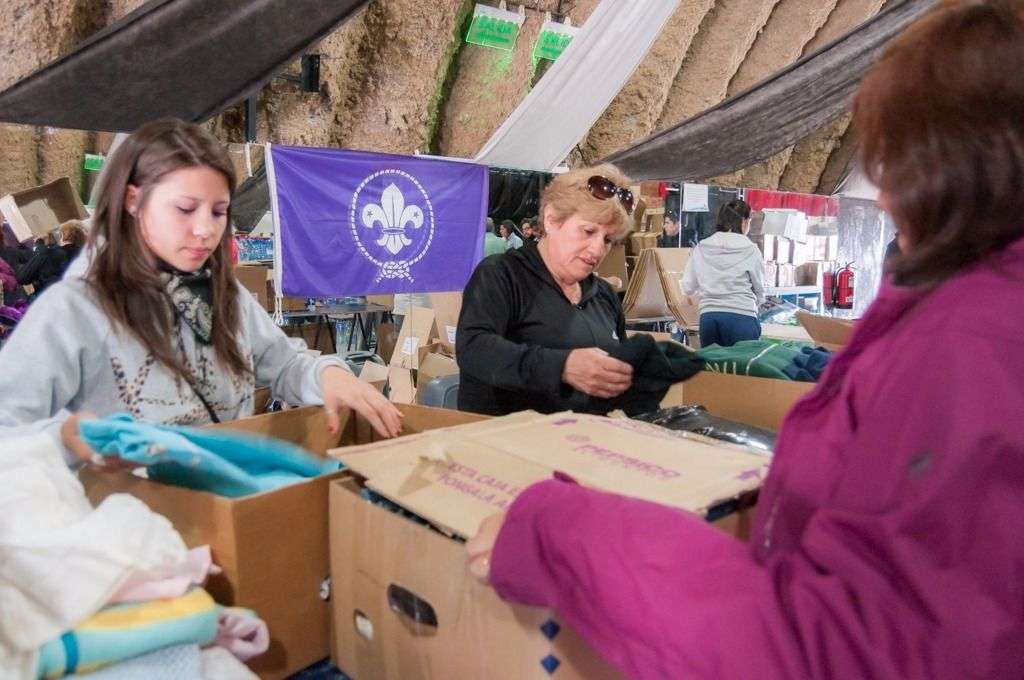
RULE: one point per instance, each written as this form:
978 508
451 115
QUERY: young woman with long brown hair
158 327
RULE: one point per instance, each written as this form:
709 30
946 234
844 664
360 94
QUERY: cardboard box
447 307
783 250
418 330
387 338
771 274
316 333
639 242
801 253
291 304
375 374
272 546
787 276
811 274
435 365
35 212
256 279
377 557
826 331
614 266
654 290
381 562
761 402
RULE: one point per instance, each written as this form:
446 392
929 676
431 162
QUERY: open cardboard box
272 546
827 332
761 402
35 212
404 603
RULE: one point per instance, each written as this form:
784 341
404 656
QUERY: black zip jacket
516 330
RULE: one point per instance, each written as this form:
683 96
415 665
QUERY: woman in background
726 272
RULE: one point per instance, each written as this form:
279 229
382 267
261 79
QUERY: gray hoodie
726 271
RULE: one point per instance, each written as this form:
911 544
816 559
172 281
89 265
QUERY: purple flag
358 223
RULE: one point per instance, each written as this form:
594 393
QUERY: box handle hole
408 604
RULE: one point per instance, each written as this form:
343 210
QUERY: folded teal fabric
226 463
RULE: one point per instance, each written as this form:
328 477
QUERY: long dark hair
731 216
941 119
129 287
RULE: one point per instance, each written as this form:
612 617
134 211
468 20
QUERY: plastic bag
696 419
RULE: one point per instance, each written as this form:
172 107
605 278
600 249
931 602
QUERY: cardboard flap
400 384
457 477
830 333
37 211
614 265
417 332
447 307
435 365
654 289
374 374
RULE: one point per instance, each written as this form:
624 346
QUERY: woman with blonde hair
536 322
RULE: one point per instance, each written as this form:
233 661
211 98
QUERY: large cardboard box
826 331
271 546
404 603
35 212
761 402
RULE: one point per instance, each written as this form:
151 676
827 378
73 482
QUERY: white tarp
560 110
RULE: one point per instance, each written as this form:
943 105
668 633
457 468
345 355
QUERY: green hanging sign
496 28
552 41
93 161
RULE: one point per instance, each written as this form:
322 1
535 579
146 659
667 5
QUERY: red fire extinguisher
838 288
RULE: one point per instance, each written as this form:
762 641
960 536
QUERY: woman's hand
341 388
71 437
593 372
480 546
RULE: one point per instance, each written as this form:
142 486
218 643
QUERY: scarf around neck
191 295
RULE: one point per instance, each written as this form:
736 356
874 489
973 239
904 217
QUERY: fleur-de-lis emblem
393 217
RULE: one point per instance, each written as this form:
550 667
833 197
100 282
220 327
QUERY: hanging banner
552 41
493 27
358 223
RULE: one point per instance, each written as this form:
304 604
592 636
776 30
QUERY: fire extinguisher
839 288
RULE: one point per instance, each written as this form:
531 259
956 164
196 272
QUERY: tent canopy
190 59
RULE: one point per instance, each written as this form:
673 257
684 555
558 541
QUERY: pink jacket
890 532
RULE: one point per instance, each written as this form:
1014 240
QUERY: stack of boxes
797 250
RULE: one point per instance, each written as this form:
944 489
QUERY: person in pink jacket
889 541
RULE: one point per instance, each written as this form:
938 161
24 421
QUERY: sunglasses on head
603 188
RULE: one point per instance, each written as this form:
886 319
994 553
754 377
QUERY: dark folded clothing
656 367
696 419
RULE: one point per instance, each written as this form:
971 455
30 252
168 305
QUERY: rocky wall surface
791 27
634 112
715 54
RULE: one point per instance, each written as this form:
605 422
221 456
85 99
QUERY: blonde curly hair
567 195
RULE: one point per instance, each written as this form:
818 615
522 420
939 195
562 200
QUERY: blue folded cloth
226 463
808 365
